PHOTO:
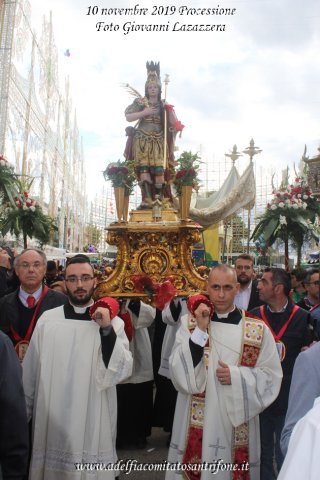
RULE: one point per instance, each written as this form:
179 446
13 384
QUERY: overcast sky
260 78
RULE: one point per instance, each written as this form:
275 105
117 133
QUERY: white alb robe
170 336
140 345
301 461
226 406
72 396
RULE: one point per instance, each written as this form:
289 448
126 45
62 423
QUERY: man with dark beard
69 375
248 295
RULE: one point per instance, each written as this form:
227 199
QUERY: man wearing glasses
311 283
289 326
20 310
248 295
78 353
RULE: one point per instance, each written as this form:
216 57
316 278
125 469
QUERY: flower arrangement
25 216
121 174
23 201
295 196
187 171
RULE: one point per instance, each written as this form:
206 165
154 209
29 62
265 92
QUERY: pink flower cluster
25 202
294 196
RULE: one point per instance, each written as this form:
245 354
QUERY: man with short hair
52 273
20 310
298 289
226 370
311 284
4 267
69 375
289 326
248 295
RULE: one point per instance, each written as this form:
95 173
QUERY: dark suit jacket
294 338
14 437
254 300
9 310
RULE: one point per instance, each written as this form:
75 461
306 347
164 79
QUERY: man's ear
279 288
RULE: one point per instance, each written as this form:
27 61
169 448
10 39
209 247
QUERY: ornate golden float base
158 250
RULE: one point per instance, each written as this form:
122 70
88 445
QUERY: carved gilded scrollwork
153 262
159 251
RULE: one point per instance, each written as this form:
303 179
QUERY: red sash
277 336
23 343
314 307
251 345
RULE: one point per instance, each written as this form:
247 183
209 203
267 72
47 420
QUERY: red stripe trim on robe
252 336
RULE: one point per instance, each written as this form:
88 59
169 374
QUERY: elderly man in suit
20 310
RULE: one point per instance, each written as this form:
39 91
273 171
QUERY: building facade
38 126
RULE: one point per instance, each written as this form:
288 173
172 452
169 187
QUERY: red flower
165 292
112 170
25 194
178 126
124 170
144 284
169 107
181 173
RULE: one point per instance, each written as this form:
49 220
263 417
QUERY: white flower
2 163
299 195
24 207
295 206
281 204
273 207
305 197
283 220
32 208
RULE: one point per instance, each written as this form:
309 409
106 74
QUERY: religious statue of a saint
150 142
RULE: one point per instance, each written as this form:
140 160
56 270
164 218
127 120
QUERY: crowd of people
228 374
